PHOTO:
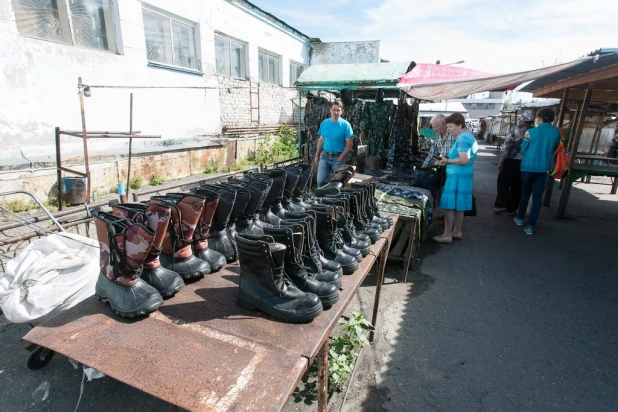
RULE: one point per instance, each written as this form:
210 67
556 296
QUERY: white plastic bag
52 274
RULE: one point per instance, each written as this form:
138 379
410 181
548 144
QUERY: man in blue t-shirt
335 140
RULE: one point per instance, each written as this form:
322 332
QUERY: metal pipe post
130 143
58 169
323 377
84 137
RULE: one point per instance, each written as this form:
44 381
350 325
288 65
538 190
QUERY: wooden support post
323 377
58 168
574 125
566 191
550 183
600 127
379 281
409 249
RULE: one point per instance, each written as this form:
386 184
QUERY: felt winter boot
215 259
264 286
157 217
177 253
124 245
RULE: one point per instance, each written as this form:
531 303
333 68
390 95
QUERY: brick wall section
275 103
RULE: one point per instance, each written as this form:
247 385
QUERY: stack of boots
301 188
279 177
177 253
359 224
218 236
309 218
337 236
124 245
346 197
329 243
156 217
263 284
343 224
294 269
312 263
248 222
367 209
291 182
242 197
215 259
274 196
372 200
336 182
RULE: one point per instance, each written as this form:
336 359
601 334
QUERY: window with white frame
270 67
230 57
171 40
85 23
295 70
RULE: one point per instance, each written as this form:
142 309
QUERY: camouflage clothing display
399 198
378 118
317 110
400 144
353 112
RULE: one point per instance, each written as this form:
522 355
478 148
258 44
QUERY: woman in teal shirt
457 193
538 148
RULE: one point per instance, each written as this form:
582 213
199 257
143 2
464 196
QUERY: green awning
353 76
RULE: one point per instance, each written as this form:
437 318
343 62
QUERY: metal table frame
216 346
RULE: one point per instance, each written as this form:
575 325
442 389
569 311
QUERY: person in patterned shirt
442 143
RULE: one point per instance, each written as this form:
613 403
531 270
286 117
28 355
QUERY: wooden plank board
402 241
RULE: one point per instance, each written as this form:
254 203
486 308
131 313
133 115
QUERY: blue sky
492 35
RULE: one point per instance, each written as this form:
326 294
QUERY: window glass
184 45
222 56
158 38
42 19
237 59
92 22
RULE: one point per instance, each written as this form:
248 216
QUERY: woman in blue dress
457 193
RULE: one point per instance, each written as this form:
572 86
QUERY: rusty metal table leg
408 254
323 377
381 267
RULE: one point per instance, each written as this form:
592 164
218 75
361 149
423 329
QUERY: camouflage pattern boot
124 245
177 254
200 238
156 217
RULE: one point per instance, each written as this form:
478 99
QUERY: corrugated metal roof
353 76
607 57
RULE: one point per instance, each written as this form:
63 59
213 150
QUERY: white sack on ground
52 274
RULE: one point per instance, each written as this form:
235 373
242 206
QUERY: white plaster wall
237 22
346 52
39 83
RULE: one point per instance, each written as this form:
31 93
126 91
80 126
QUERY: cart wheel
39 358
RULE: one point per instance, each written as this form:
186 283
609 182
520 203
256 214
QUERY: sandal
458 237
439 239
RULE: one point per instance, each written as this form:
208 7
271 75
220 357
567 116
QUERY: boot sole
250 303
329 301
134 314
173 289
350 269
327 191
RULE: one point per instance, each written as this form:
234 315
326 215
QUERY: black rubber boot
291 183
248 222
373 202
326 235
293 240
278 174
358 220
218 237
301 188
312 263
330 188
264 286
274 196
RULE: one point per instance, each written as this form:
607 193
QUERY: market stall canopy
600 68
456 82
353 76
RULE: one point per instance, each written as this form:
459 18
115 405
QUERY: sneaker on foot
529 230
499 209
519 221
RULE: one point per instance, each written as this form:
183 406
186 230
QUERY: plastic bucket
74 190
